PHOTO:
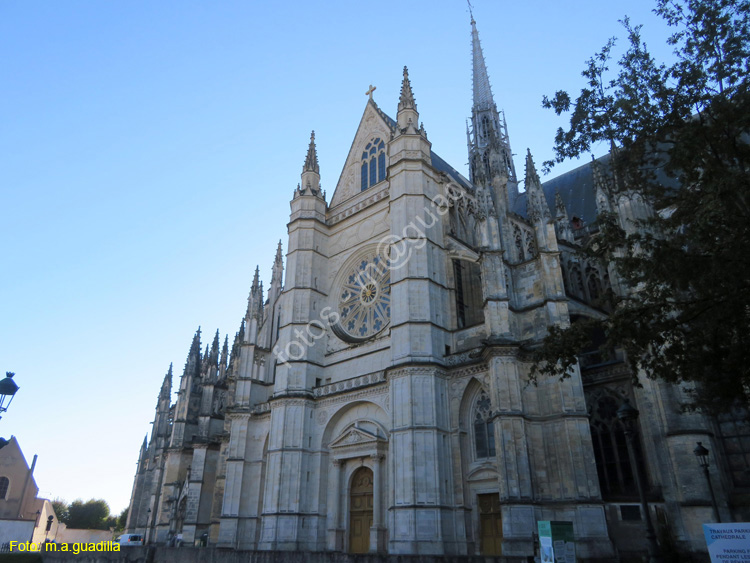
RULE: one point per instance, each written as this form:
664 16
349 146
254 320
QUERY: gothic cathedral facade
378 398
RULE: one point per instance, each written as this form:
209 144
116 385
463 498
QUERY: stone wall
214 555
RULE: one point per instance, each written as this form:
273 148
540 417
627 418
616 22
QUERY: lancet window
484 430
469 301
519 243
616 473
373 163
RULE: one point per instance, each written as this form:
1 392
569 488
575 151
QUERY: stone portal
360 511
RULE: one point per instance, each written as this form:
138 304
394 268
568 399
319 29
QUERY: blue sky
148 152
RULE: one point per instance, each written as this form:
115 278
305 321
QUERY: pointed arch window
616 473
530 245
484 429
519 243
484 130
4 484
594 284
469 301
576 282
373 163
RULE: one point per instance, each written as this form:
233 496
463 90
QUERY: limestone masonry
377 398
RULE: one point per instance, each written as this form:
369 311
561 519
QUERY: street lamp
8 390
702 454
628 415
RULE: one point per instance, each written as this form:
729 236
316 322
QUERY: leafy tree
91 515
685 313
122 519
61 510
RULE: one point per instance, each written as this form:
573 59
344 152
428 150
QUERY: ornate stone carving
350 384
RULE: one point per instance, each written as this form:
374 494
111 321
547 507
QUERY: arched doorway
360 511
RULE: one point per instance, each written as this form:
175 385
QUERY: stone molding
350 384
358 205
381 389
417 370
284 402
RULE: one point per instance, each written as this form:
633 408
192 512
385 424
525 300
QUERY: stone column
335 533
377 531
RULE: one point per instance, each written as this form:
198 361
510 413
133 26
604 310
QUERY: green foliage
61 510
122 519
686 314
91 515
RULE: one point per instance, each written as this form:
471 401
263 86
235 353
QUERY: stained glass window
484 429
365 299
373 163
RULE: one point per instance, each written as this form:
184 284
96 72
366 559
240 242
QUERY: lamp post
8 390
702 454
628 415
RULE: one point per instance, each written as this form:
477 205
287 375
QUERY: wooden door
360 511
490 524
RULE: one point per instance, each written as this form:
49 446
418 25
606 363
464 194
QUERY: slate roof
576 189
437 162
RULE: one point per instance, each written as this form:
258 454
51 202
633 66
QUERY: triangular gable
354 436
374 123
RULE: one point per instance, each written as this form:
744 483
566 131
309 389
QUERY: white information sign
728 542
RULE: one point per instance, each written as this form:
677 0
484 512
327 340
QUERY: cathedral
377 396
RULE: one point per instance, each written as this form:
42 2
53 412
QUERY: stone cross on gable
371 90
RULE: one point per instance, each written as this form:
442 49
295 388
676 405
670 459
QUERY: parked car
130 539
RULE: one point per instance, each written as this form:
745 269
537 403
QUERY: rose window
364 299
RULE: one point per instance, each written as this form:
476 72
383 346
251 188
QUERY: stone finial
214 355
224 357
311 160
256 281
406 100
532 178
195 347
166 386
279 255
536 202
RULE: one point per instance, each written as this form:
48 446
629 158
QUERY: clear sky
148 153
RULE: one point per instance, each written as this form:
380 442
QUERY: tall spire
483 99
490 156
311 161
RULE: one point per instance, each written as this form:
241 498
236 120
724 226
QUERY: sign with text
728 542
556 541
